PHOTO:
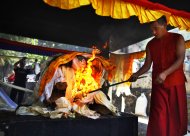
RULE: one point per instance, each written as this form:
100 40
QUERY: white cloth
141 105
57 77
63 109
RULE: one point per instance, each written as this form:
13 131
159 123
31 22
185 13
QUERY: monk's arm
144 68
180 53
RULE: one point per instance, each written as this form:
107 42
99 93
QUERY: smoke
122 33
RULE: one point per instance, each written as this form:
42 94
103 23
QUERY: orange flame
84 82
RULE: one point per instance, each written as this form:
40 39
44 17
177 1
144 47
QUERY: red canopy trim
157 6
28 48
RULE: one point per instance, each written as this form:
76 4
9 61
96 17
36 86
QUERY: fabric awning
145 10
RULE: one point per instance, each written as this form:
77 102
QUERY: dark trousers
14 93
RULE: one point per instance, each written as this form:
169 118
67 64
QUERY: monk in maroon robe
168 111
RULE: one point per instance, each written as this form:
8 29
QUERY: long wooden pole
115 84
16 87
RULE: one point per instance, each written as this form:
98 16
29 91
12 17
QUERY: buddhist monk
166 53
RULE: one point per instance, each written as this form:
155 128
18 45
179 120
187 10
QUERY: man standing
168 111
20 79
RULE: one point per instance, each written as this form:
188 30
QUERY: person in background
168 111
20 80
36 69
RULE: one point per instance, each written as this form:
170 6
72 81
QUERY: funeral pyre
79 79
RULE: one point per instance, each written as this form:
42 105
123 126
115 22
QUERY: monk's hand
161 78
133 77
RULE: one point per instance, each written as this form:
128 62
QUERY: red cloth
163 54
11 78
168 111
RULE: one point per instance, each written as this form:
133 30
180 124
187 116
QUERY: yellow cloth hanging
122 9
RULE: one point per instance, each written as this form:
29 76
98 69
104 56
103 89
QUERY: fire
84 82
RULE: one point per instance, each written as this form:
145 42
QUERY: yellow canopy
122 9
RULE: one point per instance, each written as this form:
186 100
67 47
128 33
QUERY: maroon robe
168 111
